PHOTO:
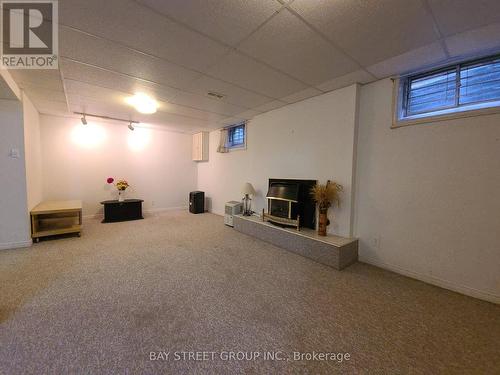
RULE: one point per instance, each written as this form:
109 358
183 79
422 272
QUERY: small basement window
450 91
236 137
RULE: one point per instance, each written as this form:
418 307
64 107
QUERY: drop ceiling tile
50 107
270 106
87 91
301 95
231 120
484 40
232 94
248 114
206 104
252 75
419 58
105 54
128 22
359 76
48 79
35 93
77 72
114 109
455 16
371 31
191 112
226 20
184 101
287 43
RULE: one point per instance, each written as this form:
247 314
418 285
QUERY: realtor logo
29 34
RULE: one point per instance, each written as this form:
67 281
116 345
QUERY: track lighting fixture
84 119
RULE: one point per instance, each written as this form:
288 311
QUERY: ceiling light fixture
143 103
84 120
130 126
215 95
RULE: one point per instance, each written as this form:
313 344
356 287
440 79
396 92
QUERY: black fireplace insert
288 198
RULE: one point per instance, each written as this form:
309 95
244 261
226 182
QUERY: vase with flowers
121 186
325 196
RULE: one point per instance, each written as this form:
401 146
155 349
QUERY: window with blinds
236 136
461 87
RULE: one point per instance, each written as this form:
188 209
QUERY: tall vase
121 198
323 222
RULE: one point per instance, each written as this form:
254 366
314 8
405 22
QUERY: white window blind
459 87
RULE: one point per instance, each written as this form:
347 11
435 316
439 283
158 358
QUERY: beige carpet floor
180 282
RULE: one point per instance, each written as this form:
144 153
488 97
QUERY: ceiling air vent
215 95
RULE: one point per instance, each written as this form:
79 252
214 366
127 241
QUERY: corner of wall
32 152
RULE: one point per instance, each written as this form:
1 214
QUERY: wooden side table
56 217
129 209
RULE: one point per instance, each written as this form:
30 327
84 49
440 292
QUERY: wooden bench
56 217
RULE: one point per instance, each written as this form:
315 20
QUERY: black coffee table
129 209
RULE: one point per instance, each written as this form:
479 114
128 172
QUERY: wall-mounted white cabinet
200 146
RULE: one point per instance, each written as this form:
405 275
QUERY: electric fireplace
289 203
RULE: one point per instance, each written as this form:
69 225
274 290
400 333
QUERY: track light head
84 120
130 126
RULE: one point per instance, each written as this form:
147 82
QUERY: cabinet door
197 147
200 146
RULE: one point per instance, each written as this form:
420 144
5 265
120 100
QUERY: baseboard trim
146 212
462 289
15 245
160 210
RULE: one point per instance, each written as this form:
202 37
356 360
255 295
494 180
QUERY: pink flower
110 180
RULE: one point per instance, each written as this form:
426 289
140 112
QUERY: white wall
14 220
33 153
430 195
77 160
312 139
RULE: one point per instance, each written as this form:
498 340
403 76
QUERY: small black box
197 202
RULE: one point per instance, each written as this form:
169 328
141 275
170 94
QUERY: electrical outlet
152 203
15 153
375 242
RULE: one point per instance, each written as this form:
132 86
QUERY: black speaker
197 202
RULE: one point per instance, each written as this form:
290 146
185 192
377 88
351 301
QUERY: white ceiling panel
228 21
111 108
371 31
48 78
270 106
50 107
105 54
301 95
287 43
250 74
206 104
35 93
137 26
77 72
248 114
232 94
359 76
87 91
410 61
232 120
485 40
455 16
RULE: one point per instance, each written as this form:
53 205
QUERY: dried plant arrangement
327 195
